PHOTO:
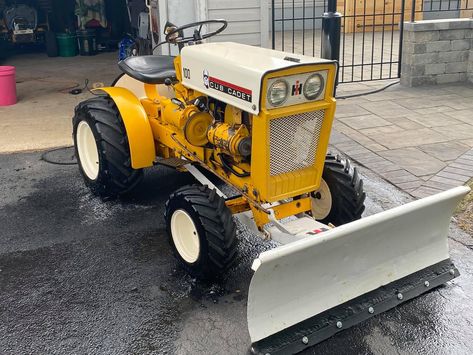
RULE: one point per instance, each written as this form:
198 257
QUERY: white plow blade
299 280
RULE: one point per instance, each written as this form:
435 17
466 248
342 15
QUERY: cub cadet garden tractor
260 120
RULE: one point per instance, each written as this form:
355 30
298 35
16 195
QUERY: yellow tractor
260 120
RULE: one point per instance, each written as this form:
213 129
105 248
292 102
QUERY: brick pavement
419 139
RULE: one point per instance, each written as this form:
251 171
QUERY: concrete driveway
42 117
83 276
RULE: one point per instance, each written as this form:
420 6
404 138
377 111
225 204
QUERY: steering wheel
197 36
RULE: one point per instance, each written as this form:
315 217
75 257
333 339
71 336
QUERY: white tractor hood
233 72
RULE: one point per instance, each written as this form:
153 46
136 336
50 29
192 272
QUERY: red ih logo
296 89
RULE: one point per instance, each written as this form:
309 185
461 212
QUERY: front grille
293 141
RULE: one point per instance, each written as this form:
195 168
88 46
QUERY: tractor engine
234 140
202 128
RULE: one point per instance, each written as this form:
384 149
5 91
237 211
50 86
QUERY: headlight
278 92
313 86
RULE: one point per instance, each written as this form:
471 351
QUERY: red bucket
7 86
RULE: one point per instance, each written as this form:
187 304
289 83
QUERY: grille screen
293 141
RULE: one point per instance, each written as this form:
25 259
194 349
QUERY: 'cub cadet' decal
227 88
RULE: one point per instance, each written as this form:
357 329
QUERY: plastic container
124 48
7 86
87 42
67 44
51 44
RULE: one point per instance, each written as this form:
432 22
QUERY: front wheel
340 198
102 149
201 231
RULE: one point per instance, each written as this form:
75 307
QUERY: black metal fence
371 31
432 9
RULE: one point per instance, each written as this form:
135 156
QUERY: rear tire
201 231
342 191
102 149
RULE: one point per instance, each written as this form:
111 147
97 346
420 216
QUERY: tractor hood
233 72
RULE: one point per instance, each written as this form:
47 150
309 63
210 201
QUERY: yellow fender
137 126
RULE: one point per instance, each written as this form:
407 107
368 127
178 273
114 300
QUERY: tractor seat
149 69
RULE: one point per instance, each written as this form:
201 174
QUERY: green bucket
67 44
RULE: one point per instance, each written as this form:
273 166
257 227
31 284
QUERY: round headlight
313 86
278 92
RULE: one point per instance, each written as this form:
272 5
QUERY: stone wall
437 52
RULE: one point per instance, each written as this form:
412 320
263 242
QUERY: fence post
401 35
273 26
331 31
413 11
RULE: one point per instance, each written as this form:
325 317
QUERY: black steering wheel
174 36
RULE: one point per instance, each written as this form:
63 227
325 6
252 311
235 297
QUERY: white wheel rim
185 236
88 152
322 206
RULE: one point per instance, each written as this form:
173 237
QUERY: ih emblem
296 89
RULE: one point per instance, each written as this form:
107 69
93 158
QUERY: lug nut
371 310
305 340
339 325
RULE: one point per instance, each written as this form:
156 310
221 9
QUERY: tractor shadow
160 182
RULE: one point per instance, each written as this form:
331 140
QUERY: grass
464 212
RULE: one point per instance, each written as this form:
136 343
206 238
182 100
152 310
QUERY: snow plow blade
304 292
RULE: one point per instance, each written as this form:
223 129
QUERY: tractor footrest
172 162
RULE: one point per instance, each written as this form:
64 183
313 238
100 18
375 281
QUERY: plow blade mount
304 292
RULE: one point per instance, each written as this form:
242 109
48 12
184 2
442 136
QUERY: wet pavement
82 276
